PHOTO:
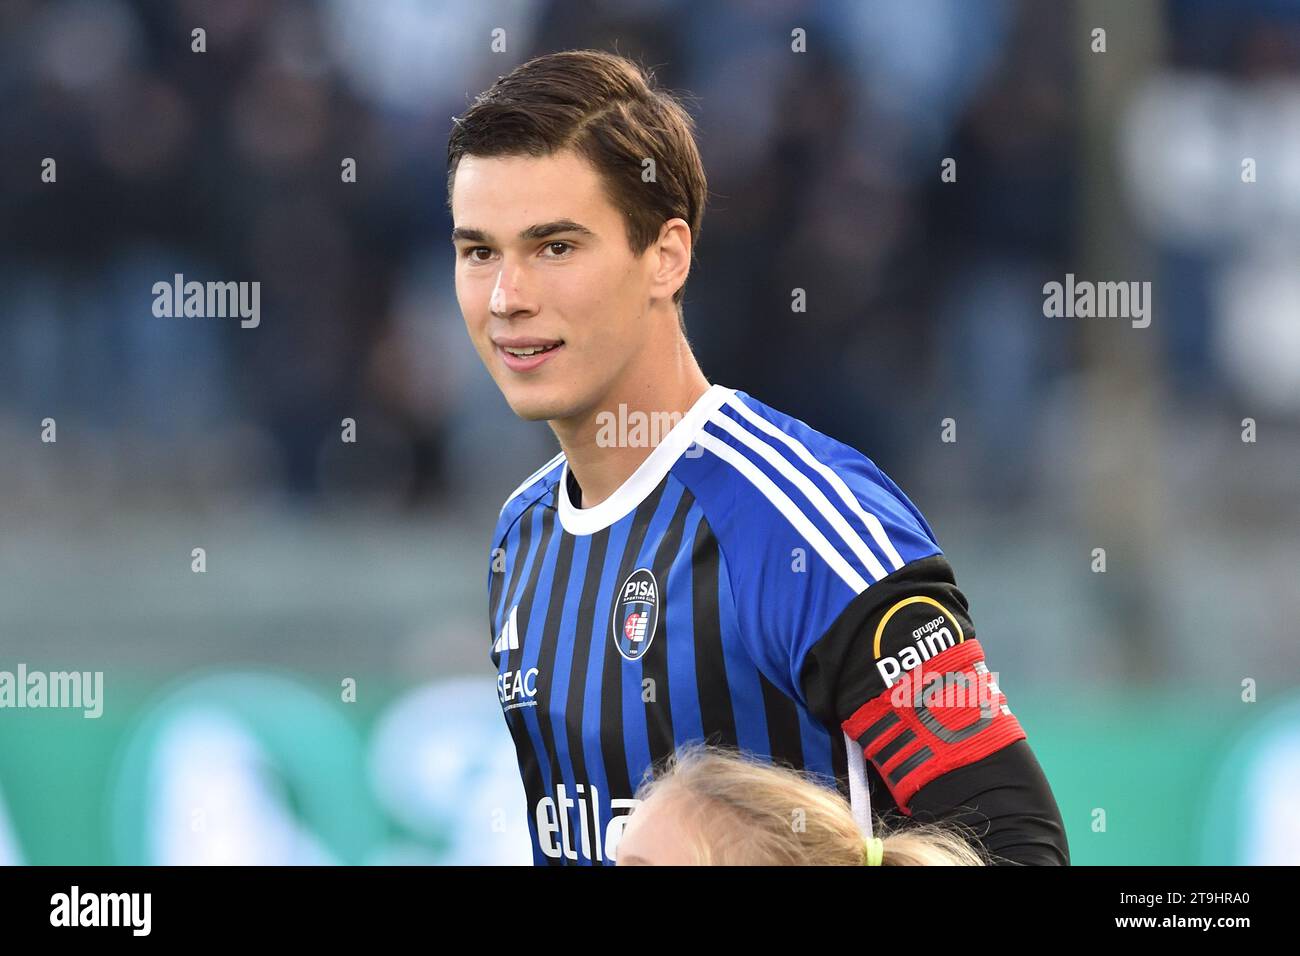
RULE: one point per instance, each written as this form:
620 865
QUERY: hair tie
875 851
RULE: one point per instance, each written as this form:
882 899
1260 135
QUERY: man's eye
469 253
558 242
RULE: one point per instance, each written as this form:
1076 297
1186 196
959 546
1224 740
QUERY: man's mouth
527 354
530 350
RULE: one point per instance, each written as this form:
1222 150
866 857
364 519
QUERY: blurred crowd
924 297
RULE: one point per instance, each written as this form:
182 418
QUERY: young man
737 577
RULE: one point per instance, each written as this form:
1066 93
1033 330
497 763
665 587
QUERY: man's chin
535 413
537 408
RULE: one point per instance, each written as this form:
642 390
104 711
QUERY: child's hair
748 812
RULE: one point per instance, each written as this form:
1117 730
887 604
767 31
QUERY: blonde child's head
711 806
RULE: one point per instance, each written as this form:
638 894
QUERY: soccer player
693 565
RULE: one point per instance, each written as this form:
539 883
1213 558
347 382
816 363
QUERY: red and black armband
942 713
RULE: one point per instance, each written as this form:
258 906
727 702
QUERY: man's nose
511 293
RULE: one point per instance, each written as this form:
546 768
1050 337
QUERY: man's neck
599 466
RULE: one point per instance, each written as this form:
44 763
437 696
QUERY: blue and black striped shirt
755 584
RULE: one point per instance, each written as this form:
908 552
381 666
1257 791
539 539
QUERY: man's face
542 261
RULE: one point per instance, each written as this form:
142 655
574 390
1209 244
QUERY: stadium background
224 738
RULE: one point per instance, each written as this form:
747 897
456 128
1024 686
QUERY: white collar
647 475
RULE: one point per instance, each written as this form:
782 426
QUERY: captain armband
937 713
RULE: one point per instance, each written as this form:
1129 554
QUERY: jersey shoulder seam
531 480
859 511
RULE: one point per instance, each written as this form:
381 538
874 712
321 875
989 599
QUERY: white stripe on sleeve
871 522
787 507
811 492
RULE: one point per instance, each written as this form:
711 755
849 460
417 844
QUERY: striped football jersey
754 583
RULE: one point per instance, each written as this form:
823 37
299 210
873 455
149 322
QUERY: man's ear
673 251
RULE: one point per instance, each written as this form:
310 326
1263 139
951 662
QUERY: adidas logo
508 639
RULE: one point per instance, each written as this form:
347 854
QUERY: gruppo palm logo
636 614
924 629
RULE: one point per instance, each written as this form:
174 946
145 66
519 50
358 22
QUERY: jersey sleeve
846 601
501 557
802 542
902 673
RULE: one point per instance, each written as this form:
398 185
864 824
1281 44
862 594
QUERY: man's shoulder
535 486
759 465
807 447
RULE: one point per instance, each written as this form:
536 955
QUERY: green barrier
302 748
1140 778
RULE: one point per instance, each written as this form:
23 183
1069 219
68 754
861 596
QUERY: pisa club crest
636 614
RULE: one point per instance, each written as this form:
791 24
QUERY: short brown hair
608 109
